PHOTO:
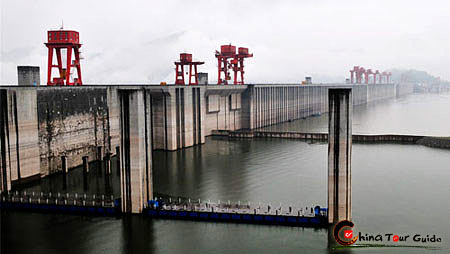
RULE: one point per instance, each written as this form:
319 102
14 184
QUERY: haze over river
398 189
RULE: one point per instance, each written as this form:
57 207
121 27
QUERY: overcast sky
137 41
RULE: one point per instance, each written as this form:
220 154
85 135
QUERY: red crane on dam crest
186 60
228 60
358 74
69 41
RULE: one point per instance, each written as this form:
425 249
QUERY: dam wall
404 89
377 92
223 108
41 124
178 116
74 122
265 105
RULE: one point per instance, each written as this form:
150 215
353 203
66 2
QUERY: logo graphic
395 238
347 233
343 234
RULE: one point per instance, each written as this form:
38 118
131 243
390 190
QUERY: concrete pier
107 161
65 171
135 143
85 164
19 158
340 155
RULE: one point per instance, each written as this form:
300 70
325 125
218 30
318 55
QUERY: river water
398 189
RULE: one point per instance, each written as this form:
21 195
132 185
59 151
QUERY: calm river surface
399 189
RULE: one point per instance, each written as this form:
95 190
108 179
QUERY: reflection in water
137 235
244 170
94 182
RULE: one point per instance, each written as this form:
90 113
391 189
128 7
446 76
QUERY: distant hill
404 75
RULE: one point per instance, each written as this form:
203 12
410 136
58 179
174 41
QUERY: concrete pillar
107 161
301 103
164 115
339 155
113 118
99 153
5 176
202 114
276 93
257 108
181 117
85 164
85 172
307 100
64 170
64 167
260 108
280 105
291 103
273 97
298 102
135 154
268 106
170 118
265 105
286 104
19 150
248 109
195 112
118 159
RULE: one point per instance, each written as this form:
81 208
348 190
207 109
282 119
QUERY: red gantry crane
358 73
387 75
186 60
69 41
228 60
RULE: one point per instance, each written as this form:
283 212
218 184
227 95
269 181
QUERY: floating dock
98 205
181 209
238 213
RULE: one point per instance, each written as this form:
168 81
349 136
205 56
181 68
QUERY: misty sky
137 41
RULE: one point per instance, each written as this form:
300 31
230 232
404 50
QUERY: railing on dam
60 202
167 208
237 212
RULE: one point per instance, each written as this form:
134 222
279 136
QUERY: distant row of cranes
358 74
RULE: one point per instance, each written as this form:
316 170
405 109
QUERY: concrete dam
39 125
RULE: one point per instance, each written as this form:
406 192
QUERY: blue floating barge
319 221
61 208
